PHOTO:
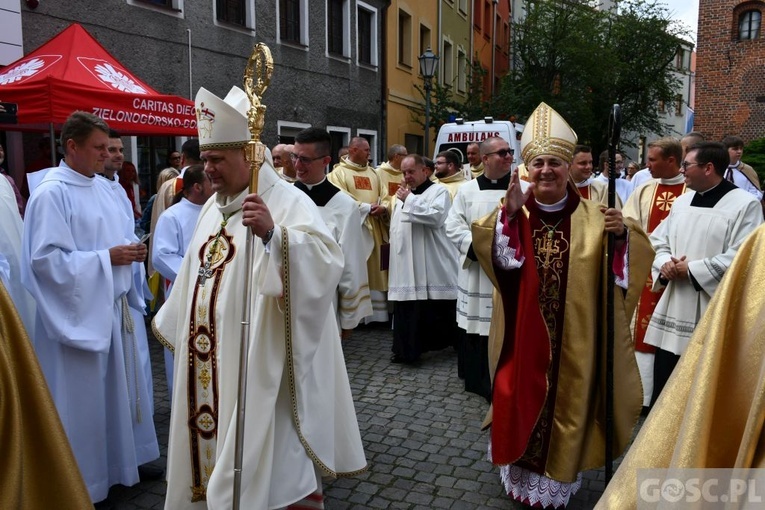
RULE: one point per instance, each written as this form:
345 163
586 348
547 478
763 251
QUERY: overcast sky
686 11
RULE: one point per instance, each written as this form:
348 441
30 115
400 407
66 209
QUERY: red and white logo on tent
109 74
26 69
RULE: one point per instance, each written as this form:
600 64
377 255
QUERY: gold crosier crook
257 77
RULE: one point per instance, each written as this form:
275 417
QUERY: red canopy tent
73 71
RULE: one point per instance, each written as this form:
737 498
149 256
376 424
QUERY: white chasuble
299 411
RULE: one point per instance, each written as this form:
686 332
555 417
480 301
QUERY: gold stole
202 382
664 196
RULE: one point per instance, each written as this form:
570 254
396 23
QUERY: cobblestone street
421 434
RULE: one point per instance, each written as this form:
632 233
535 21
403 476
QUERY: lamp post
428 62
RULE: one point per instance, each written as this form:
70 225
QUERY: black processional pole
614 131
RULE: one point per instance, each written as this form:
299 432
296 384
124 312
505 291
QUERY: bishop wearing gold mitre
545 251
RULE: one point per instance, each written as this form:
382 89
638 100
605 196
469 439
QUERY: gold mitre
222 123
547 133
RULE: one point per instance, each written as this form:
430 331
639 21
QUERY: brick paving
421 434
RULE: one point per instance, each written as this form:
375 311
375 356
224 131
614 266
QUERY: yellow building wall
412 27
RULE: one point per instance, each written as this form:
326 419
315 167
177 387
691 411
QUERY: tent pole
52 134
191 88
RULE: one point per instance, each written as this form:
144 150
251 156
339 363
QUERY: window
340 137
170 7
404 39
679 104
424 39
448 63
680 59
477 15
662 108
288 130
366 34
371 137
231 11
413 143
506 38
337 28
487 19
463 6
292 26
749 25
461 71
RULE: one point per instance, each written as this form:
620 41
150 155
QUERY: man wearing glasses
341 214
694 247
474 200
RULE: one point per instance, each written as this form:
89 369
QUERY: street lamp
428 62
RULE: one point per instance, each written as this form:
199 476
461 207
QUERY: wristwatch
268 236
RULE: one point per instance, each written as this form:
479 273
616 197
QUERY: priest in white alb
694 247
341 214
423 270
77 265
300 423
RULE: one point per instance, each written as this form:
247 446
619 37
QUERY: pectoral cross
203 274
548 249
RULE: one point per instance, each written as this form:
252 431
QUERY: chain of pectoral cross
205 271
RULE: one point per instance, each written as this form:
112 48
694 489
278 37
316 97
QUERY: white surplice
342 217
71 222
423 262
11 228
709 237
299 410
474 289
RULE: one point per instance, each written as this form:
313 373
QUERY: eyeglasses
686 164
502 152
304 160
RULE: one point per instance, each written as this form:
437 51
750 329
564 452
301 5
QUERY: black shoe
397 359
106 504
148 473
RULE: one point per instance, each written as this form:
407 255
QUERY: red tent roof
73 71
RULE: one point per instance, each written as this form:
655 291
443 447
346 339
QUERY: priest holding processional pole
545 249
262 407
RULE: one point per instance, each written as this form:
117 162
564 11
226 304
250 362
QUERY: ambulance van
455 136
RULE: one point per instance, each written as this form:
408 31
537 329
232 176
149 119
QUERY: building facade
327 57
731 69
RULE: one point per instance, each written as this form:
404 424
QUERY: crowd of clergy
504 264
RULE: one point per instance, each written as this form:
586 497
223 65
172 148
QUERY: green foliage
444 103
754 156
581 61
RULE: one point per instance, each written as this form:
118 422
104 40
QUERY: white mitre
222 123
547 133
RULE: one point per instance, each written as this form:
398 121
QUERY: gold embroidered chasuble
453 183
39 470
390 180
577 434
293 423
363 184
711 412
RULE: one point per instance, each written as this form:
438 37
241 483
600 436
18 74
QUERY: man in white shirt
623 186
738 172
